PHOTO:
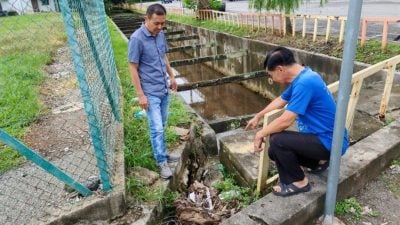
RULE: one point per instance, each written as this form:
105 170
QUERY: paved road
390 8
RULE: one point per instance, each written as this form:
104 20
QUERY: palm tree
285 6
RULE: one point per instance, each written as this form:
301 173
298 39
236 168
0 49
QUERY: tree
285 6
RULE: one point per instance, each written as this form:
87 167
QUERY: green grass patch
152 195
26 46
138 150
213 25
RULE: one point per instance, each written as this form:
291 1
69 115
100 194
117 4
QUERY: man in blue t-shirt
308 101
149 68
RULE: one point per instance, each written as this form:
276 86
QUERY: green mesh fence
59 95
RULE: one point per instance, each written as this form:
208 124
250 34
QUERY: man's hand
143 103
258 140
173 85
252 124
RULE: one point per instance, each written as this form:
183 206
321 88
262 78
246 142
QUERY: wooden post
252 22
280 24
247 21
315 29
224 15
304 26
384 34
341 34
284 25
259 23
355 94
273 24
363 32
265 23
293 26
263 164
387 90
328 30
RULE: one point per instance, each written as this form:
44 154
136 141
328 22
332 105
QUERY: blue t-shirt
311 100
149 53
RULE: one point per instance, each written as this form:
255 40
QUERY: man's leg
289 149
157 138
164 114
157 134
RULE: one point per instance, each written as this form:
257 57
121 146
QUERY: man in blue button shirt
149 69
308 101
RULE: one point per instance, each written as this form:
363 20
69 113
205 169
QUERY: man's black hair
157 9
279 56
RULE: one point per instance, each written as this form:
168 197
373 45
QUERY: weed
395 163
169 198
350 205
229 191
389 120
234 124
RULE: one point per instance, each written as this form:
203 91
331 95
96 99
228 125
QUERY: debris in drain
202 206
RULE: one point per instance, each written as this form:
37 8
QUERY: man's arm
133 69
279 124
171 75
277 103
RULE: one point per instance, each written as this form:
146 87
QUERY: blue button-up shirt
149 53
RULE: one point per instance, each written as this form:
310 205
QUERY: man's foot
165 171
172 158
322 166
285 190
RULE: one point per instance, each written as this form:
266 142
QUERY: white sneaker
165 171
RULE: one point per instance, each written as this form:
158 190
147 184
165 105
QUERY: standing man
149 69
310 102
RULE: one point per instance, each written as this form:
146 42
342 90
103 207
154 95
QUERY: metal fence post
352 28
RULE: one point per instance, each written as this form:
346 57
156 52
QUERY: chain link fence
59 95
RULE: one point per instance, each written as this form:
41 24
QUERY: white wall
25 6
17 5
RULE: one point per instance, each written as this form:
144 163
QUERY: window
45 2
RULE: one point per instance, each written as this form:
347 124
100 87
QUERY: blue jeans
157 115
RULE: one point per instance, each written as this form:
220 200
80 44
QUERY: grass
138 150
26 46
211 25
142 193
351 207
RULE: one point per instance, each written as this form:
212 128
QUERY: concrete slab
363 161
371 95
235 154
364 125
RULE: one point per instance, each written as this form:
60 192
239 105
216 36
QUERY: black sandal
320 168
290 189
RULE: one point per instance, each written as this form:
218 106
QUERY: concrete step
235 149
